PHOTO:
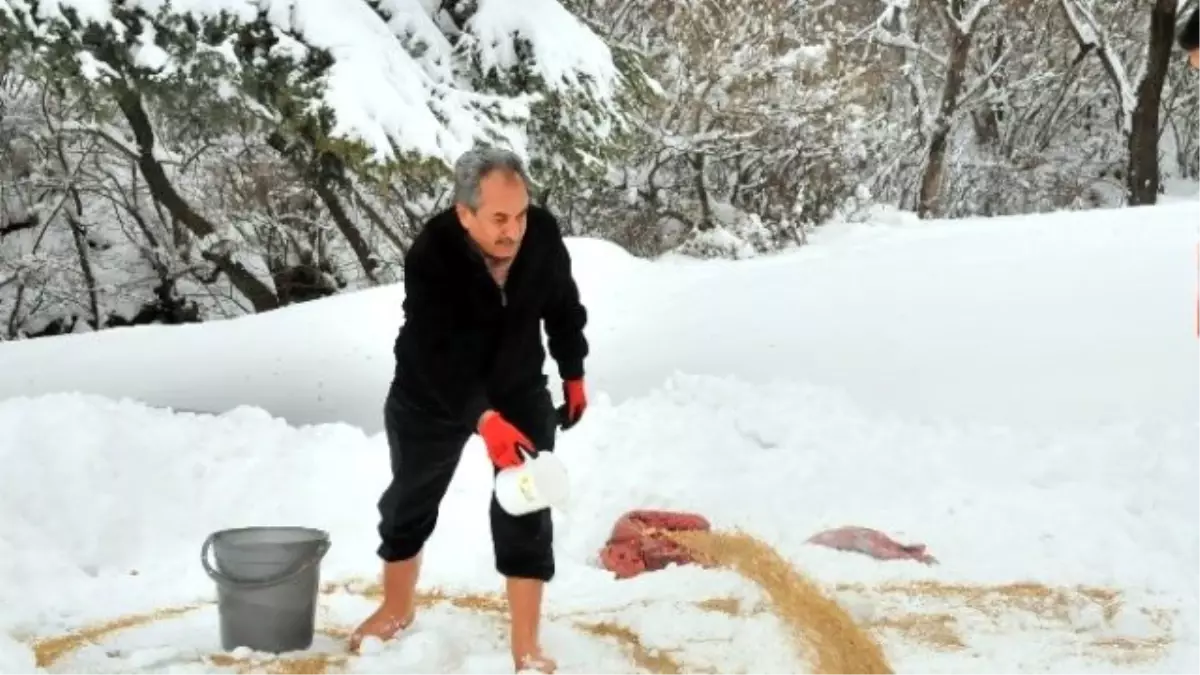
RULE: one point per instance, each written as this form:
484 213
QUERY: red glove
576 403
503 440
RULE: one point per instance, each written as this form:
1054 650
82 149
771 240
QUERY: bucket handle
289 574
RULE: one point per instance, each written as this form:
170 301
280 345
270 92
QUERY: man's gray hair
475 164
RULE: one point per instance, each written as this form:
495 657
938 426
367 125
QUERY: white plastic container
538 483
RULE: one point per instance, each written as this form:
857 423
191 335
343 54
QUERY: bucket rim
318 533
322 541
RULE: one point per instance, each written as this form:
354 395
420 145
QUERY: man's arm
448 362
565 315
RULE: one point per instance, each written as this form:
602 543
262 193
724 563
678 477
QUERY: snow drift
1019 394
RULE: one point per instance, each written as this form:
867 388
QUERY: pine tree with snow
254 157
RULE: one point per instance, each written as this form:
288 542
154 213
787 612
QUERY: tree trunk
1143 173
261 297
939 138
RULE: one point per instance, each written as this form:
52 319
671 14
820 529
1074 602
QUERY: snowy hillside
1018 394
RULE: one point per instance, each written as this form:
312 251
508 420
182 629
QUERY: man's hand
576 403
502 440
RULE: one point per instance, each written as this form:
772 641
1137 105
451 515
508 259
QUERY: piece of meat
623 558
638 544
871 542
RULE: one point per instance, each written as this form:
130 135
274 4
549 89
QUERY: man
480 280
1189 39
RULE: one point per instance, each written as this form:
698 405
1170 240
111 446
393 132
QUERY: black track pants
425 452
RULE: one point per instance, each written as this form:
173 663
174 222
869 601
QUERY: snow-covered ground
1019 394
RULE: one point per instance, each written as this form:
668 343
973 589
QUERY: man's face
499 223
1194 59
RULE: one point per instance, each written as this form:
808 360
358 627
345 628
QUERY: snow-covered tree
179 161
750 132
255 154
1042 111
1138 90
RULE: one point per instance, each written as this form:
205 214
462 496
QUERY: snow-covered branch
967 22
1091 36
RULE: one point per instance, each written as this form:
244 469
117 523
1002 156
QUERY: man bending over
480 281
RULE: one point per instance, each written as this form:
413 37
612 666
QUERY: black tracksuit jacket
466 344
1189 37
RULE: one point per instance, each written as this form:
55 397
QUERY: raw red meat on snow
638 544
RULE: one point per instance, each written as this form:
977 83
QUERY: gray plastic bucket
267 580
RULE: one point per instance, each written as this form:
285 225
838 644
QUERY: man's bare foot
383 624
536 662
398 608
